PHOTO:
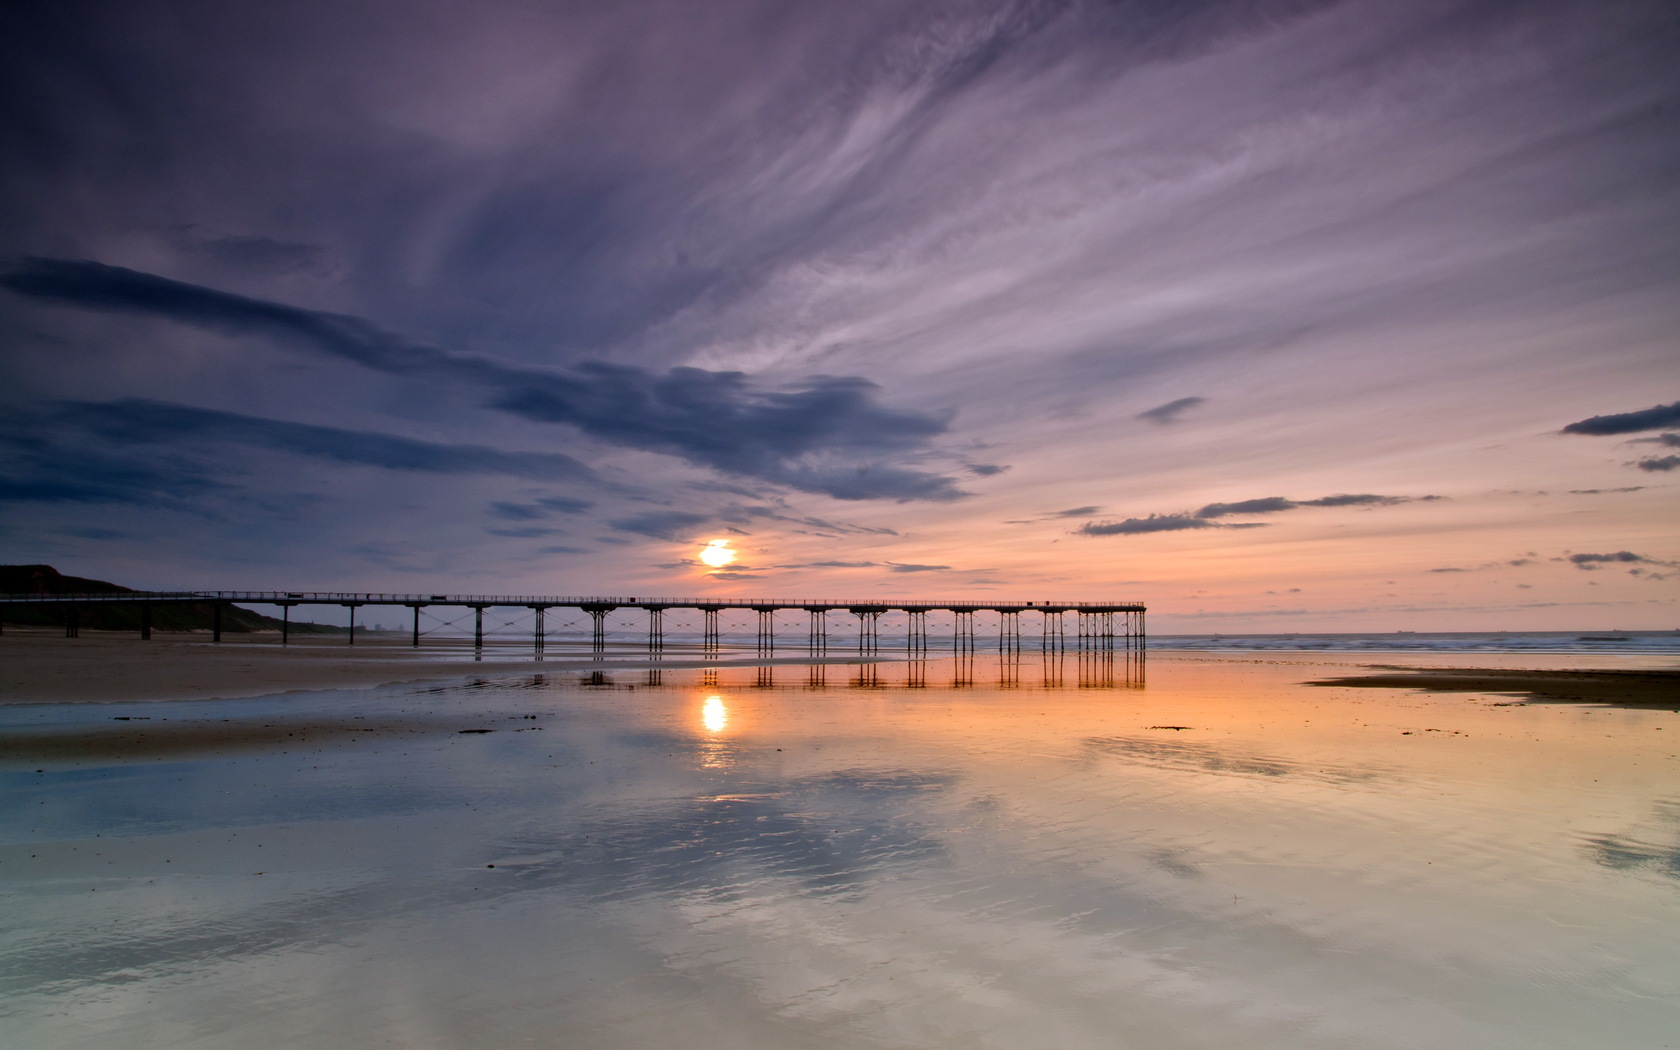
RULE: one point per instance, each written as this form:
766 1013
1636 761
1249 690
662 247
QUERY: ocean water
989 853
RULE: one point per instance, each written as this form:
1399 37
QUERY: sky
1276 315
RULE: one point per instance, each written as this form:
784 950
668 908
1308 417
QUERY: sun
717 554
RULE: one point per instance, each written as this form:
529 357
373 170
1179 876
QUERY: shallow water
845 856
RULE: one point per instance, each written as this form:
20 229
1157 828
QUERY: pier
785 623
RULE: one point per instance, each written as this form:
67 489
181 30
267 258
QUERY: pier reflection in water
980 852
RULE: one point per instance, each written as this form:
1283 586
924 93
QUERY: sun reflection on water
714 715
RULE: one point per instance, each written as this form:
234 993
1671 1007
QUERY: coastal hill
195 616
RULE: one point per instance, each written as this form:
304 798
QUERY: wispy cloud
1168 413
659 524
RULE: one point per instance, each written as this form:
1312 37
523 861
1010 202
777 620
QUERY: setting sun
717 554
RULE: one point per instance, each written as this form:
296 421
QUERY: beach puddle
985 853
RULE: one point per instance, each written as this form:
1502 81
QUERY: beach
1011 852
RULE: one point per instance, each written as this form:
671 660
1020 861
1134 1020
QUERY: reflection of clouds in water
827 834
1178 755
1631 853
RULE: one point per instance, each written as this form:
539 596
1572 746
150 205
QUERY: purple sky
1274 315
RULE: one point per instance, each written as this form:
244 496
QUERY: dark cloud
1363 500
525 532
1264 505
1593 561
1671 440
1273 504
816 435
1449 569
1663 463
986 470
251 254
1652 418
910 567
1076 512
1601 492
561 550
540 508
659 524
136 421
1136 526
1162 415
830 565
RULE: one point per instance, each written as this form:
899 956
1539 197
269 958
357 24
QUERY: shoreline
45 668
40 666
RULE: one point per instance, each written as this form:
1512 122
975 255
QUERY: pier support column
766 630
478 626
215 622
1054 639
285 624
598 629
656 629
414 631
145 623
73 622
710 637
352 606
916 637
869 636
538 640
1009 631
817 640
962 632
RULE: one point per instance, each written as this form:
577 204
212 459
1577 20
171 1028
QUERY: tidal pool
1032 857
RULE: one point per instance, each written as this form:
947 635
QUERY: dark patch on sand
1643 689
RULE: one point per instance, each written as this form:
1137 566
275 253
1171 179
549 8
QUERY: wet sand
1637 688
43 667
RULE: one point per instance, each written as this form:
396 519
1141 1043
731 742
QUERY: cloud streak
1653 418
821 435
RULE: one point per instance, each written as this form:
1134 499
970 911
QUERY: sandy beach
44 667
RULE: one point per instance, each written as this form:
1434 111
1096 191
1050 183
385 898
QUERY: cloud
138 421
1274 504
910 567
1264 505
1137 526
1659 463
816 435
1671 440
1161 415
540 508
1600 492
1076 512
830 565
1652 418
659 524
986 470
1449 569
1593 561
